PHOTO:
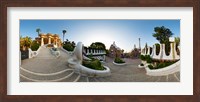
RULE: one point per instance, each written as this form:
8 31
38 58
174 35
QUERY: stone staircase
53 69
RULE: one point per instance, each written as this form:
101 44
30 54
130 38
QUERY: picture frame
93 3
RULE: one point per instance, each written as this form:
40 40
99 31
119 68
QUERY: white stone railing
95 52
154 55
56 53
162 54
33 53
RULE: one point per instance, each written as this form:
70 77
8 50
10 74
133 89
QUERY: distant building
135 53
48 38
115 51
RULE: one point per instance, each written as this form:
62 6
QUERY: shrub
34 46
142 57
68 47
151 67
118 60
90 56
93 64
149 59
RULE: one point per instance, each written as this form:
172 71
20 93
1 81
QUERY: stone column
56 42
42 41
148 52
49 41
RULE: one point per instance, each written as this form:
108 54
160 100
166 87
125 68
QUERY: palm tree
27 42
38 30
64 31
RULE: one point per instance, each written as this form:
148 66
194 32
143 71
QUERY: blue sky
125 33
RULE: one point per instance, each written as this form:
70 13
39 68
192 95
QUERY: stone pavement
47 67
131 73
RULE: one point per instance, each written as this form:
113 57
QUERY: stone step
83 79
92 79
22 79
74 77
46 77
162 79
172 78
152 79
177 75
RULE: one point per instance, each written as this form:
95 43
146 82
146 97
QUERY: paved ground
131 73
47 67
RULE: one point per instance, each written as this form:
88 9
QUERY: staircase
53 69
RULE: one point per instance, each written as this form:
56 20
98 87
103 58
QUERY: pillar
56 42
42 41
148 52
49 41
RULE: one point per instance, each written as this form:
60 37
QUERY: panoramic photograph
99 50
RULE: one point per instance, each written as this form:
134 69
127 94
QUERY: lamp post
64 31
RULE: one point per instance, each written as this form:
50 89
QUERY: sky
125 33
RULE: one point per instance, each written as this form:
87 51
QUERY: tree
34 45
64 31
162 34
98 45
25 42
38 30
146 47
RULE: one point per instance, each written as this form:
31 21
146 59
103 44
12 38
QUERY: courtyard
46 67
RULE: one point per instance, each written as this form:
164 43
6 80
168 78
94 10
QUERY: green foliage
69 46
25 42
146 58
93 64
162 34
38 30
161 65
35 46
118 60
98 45
91 56
151 67
142 57
149 59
